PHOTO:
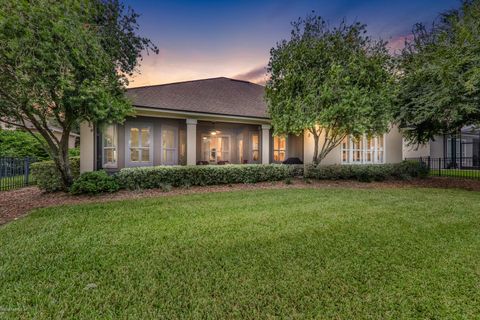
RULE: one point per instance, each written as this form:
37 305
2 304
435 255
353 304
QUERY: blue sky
202 39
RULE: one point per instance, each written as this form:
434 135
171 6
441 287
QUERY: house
211 121
459 150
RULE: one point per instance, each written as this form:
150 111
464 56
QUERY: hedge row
367 173
47 176
158 177
48 179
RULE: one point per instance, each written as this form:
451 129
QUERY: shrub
20 144
368 173
47 176
95 182
179 176
74 152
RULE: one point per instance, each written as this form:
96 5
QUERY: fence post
26 171
439 167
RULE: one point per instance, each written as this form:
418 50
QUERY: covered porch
152 141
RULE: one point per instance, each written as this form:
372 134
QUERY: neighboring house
72 139
211 121
460 150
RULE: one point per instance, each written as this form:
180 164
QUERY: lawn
294 253
456 173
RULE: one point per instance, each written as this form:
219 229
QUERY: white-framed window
109 147
363 150
169 145
215 148
255 146
279 148
139 151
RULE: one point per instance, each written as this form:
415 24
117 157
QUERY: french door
215 148
139 151
169 145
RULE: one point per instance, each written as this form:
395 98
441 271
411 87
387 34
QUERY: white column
87 147
266 144
191 142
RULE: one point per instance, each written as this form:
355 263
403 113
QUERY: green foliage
66 62
17 143
367 173
156 177
95 182
48 178
330 81
439 87
74 152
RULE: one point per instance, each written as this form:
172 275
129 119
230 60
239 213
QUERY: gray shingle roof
221 96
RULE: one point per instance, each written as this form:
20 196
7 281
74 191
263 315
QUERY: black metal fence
462 167
15 172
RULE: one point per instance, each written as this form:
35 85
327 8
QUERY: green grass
456 173
314 253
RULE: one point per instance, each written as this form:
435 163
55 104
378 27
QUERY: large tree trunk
316 139
332 139
56 148
62 163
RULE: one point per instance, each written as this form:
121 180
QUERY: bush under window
95 182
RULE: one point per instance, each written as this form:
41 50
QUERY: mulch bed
17 203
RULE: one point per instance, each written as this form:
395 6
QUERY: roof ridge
178 82
194 80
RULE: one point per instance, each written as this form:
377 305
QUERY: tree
439 85
332 82
64 62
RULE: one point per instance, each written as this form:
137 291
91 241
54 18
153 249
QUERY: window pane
145 137
134 157
169 156
145 155
380 142
255 142
109 136
282 156
205 149
225 144
109 156
168 138
134 137
255 155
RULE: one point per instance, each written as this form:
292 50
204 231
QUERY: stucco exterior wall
393 146
87 147
436 147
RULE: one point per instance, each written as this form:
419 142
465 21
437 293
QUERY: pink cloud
257 75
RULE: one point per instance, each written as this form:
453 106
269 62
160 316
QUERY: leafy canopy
64 62
439 86
330 81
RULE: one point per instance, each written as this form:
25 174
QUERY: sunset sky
203 39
